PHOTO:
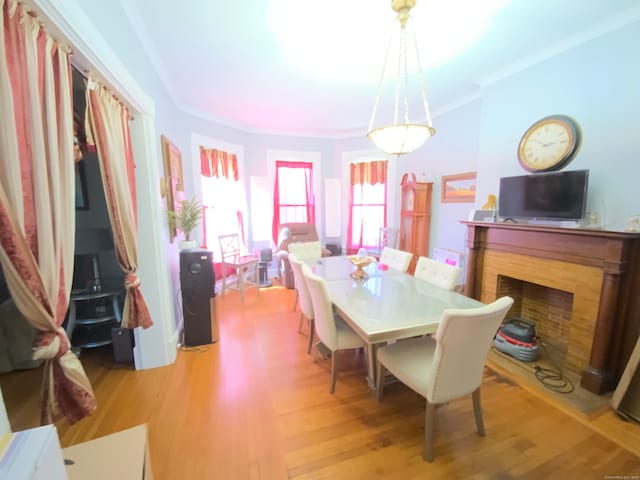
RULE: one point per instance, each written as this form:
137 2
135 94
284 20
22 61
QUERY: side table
91 317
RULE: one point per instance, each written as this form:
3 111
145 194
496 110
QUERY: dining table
388 305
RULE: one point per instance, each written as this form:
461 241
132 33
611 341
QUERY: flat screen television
544 196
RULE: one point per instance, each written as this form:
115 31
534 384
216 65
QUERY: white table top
340 268
393 305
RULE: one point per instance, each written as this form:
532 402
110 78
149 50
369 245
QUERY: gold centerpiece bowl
360 262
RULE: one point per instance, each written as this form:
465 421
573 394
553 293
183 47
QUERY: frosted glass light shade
400 139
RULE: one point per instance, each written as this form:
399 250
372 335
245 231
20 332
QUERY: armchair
293 233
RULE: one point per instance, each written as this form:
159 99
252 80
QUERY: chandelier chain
420 77
384 68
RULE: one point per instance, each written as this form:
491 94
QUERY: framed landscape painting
459 188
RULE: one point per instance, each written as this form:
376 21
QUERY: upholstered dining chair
437 273
388 237
233 258
333 332
396 259
448 365
306 307
304 251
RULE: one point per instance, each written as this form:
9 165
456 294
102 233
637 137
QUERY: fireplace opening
549 309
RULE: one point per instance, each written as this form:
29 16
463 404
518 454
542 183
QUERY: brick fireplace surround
593 277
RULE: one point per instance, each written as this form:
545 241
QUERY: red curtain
108 129
37 208
216 163
364 173
310 207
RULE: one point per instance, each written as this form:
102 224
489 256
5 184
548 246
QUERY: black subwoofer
197 282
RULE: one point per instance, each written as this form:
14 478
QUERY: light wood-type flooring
256 406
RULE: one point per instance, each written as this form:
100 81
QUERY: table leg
372 356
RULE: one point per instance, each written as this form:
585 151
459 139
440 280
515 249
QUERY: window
222 198
368 205
293 198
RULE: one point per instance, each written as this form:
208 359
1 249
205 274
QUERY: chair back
306 250
229 246
437 273
301 284
325 323
396 259
388 238
463 340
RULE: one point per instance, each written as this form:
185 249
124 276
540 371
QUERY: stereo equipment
197 282
122 340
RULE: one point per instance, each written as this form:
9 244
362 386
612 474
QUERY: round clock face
549 144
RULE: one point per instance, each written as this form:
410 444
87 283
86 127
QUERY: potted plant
186 219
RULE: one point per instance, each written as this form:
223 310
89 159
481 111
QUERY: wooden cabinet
415 217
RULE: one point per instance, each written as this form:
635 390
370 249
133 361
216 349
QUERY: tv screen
545 196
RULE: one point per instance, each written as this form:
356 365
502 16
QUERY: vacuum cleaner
517 337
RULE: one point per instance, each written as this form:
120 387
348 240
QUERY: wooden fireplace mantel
616 255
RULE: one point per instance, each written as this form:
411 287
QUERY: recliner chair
292 233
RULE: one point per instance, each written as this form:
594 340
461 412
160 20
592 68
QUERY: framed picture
459 188
173 179
82 200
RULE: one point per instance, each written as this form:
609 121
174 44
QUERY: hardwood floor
256 406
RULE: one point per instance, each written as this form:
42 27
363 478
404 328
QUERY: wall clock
549 144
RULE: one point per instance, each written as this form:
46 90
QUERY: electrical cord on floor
551 378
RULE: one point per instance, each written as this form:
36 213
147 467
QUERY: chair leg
241 284
429 418
295 302
224 278
477 411
380 380
300 322
312 326
332 388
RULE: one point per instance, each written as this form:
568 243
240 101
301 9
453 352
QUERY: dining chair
233 258
396 259
333 332
306 307
304 251
388 237
448 365
437 273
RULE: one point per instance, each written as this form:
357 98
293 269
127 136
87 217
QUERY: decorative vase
187 244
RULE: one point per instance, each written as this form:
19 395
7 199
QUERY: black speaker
197 282
123 343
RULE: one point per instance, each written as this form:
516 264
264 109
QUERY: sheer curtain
367 204
37 205
108 129
222 197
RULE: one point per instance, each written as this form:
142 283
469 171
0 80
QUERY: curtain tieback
131 281
51 344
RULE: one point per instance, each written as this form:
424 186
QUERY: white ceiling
224 62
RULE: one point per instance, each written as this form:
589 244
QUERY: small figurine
491 203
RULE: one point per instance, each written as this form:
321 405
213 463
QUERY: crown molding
91 53
610 24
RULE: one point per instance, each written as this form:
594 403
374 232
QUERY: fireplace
578 285
550 309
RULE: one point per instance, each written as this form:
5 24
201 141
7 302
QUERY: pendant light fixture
403 136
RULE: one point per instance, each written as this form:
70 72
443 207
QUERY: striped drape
37 204
216 163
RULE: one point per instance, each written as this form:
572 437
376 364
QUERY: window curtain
363 174
37 205
222 198
107 126
307 193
